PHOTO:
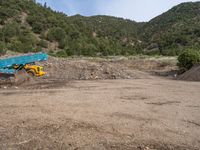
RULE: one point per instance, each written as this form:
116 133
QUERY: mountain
177 28
26 26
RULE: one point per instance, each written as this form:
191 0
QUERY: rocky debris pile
192 74
88 69
66 69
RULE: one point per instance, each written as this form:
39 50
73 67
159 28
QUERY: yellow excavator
32 70
19 66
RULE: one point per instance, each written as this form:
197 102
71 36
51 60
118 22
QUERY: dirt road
151 113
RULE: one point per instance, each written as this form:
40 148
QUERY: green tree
188 59
56 34
2 48
43 43
10 30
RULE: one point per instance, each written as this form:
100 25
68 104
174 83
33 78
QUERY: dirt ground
134 114
136 110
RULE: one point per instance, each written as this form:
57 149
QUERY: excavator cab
34 70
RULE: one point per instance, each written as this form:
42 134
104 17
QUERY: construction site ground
140 106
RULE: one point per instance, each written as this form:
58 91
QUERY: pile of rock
192 74
73 69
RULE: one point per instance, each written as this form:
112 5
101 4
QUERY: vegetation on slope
175 30
26 26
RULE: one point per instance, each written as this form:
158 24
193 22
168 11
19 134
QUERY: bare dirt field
152 113
143 113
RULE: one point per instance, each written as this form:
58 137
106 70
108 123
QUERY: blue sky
138 10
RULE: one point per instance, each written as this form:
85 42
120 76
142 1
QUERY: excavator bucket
20 77
6 79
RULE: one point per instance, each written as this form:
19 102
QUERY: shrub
15 45
37 23
188 59
61 54
2 52
2 48
10 30
19 46
61 44
56 34
43 43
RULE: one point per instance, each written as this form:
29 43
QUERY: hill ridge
100 35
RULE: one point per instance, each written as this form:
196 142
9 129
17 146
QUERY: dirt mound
88 69
192 74
92 69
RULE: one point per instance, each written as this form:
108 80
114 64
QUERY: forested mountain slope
26 26
177 28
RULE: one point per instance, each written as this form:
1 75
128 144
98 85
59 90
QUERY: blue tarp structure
7 71
7 63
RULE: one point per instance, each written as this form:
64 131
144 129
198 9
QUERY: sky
138 10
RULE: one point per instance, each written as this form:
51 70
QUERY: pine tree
45 5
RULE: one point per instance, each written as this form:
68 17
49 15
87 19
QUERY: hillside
177 28
28 27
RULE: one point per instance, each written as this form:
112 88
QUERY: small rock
147 148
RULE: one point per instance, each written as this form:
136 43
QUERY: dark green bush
16 45
10 30
2 48
2 52
43 43
61 44
56 34
188 59
22 47
61 54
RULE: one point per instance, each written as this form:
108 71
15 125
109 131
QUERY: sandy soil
134 114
